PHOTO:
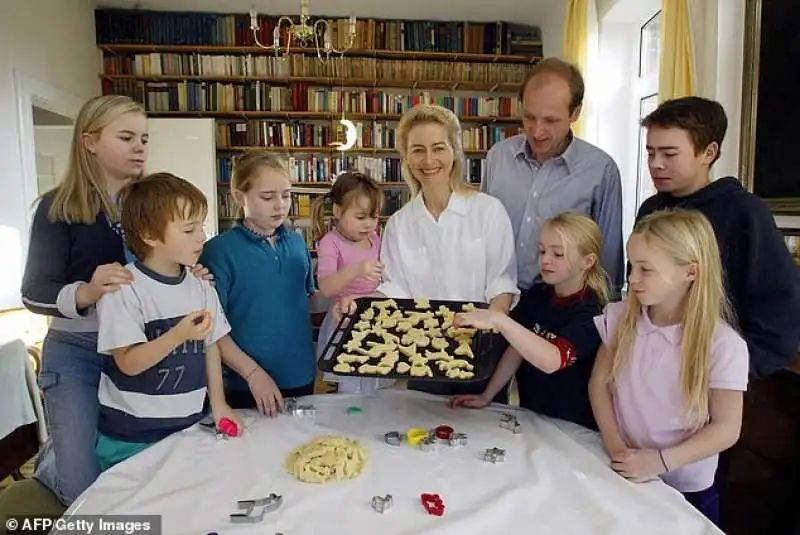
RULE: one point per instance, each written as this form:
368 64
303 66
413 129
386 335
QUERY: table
555 479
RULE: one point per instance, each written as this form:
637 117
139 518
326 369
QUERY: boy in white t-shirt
161 329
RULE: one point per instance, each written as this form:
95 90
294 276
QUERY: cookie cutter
415 435
293 408
494 455
253 511
432 503
457 439
211 427
510 422
428 444
443 432
381 504
394 438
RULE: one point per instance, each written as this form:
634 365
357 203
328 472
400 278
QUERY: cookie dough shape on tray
327 459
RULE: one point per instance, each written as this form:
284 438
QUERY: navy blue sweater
60 254
565 321
760 277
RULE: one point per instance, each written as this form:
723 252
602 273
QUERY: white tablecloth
555 479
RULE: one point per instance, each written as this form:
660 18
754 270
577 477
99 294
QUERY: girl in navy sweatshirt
551 334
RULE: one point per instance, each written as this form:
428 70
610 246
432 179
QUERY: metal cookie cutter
252 511
428 444
494 455
394 438
457 439
212 428
381 504
510 422
293 408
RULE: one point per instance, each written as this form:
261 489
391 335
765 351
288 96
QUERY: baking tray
482 344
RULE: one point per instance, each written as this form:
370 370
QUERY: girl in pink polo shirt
667 384
347 256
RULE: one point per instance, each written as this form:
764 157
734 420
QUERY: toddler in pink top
347 256
667 384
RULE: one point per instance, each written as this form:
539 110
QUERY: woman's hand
105 279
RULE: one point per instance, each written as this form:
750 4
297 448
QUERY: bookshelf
183 65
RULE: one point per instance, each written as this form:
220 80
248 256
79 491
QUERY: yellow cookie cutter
416 435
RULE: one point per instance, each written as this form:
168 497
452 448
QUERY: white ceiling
524 11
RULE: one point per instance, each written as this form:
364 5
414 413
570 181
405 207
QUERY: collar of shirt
570 299
457 204
280 232
568 157
671 333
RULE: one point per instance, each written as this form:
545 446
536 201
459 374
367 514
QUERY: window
647 95
644 186
649 38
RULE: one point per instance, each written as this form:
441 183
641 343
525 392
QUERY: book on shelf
317 168
196 65
206 64
316 135
183 28
199 96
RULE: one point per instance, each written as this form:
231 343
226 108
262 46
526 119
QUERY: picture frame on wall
770 113
792 238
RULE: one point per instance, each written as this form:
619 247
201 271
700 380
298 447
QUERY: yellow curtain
576 31
676 76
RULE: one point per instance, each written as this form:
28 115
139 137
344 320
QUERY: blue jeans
706 501
69 378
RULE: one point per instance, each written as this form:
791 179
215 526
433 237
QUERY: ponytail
597 280
347 187
318 226
583 234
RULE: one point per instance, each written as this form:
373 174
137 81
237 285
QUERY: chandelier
304 34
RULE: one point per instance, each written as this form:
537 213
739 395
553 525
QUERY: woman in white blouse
449 241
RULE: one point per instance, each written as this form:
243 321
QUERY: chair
22 425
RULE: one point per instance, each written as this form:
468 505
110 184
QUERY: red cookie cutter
433 504
443 432
229 427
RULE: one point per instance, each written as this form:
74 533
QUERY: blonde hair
431 114
582 233
347 188
82 194
246 168
686 237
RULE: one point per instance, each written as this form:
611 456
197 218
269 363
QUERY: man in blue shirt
547 170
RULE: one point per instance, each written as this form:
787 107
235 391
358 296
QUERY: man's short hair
153 202
564 70
703 119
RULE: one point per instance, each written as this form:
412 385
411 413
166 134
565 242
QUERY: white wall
186 148
616 91
51 41
53 144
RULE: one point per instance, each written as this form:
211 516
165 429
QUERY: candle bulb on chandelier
352 25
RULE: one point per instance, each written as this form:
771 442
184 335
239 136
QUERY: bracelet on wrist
254 370
663 462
